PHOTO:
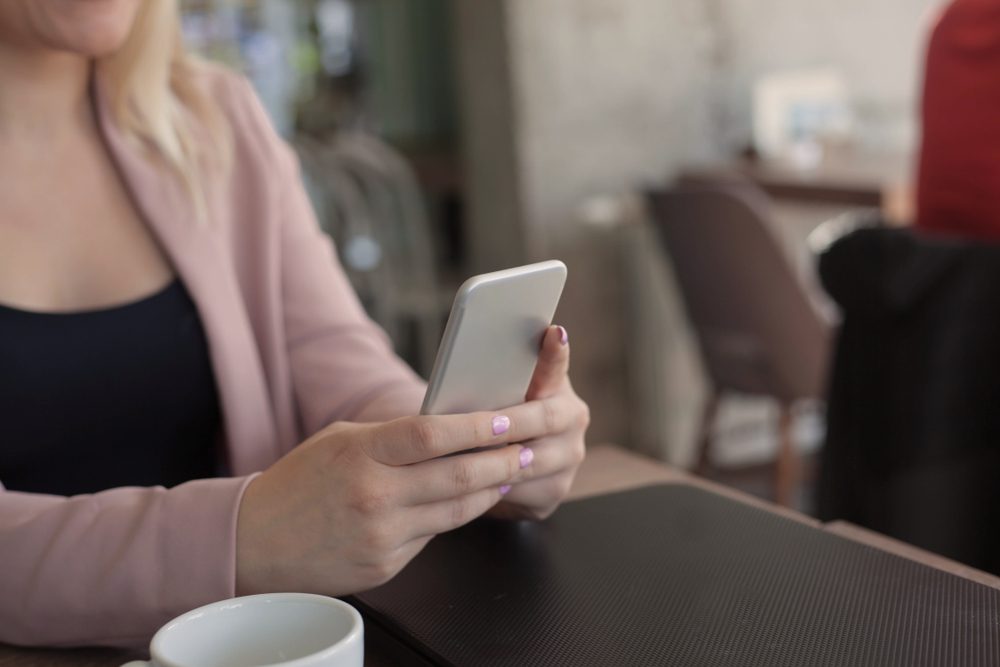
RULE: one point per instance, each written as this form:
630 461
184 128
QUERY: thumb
552 366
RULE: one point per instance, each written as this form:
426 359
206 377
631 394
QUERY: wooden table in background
849 178
607 470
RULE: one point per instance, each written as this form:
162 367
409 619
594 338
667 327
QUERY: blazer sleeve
111 567
343 365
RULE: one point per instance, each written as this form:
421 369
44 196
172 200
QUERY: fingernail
501 424
563 335
505 489
527 456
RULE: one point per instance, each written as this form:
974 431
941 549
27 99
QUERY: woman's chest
71 238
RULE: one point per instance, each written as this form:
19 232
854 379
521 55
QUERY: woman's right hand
348 508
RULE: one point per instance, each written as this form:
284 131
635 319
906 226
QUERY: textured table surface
606 470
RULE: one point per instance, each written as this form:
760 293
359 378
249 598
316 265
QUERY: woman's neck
43 95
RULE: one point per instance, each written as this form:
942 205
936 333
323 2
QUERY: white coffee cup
270 630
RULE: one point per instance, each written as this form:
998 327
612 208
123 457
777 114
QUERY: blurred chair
368 200
757 331
913 425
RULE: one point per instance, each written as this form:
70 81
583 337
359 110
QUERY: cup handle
138 663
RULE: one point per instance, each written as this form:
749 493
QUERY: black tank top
123 396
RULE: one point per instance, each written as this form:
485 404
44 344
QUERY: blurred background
444 138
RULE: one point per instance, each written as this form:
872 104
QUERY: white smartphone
492 340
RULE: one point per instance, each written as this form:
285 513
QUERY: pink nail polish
563 335
501 424
505 489
526 457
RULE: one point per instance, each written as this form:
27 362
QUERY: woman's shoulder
234 97
259 165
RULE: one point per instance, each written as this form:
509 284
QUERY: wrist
249 565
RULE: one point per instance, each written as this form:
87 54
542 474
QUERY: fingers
535 499
552 455
450 477
414 439
548 479
454 476
440 517
552 366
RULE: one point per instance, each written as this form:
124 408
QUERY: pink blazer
292 351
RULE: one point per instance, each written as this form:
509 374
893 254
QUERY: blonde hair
156 99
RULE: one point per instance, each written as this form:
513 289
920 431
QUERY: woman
170 311
959 183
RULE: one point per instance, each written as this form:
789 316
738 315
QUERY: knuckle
562 487
514 463
553 498
379 572
461 512
550 414
425 436
557 489
377 542
583 415
368 501
463 475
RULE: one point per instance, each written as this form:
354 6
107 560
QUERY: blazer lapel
197 253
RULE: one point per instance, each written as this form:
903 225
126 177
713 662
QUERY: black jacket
913 441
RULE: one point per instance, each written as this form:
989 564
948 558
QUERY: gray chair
756 328
368 200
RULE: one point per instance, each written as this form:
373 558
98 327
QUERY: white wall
564 100
877 44
609 94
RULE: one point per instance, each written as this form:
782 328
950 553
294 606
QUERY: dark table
606 470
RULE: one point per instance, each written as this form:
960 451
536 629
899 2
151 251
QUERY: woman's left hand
558 455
